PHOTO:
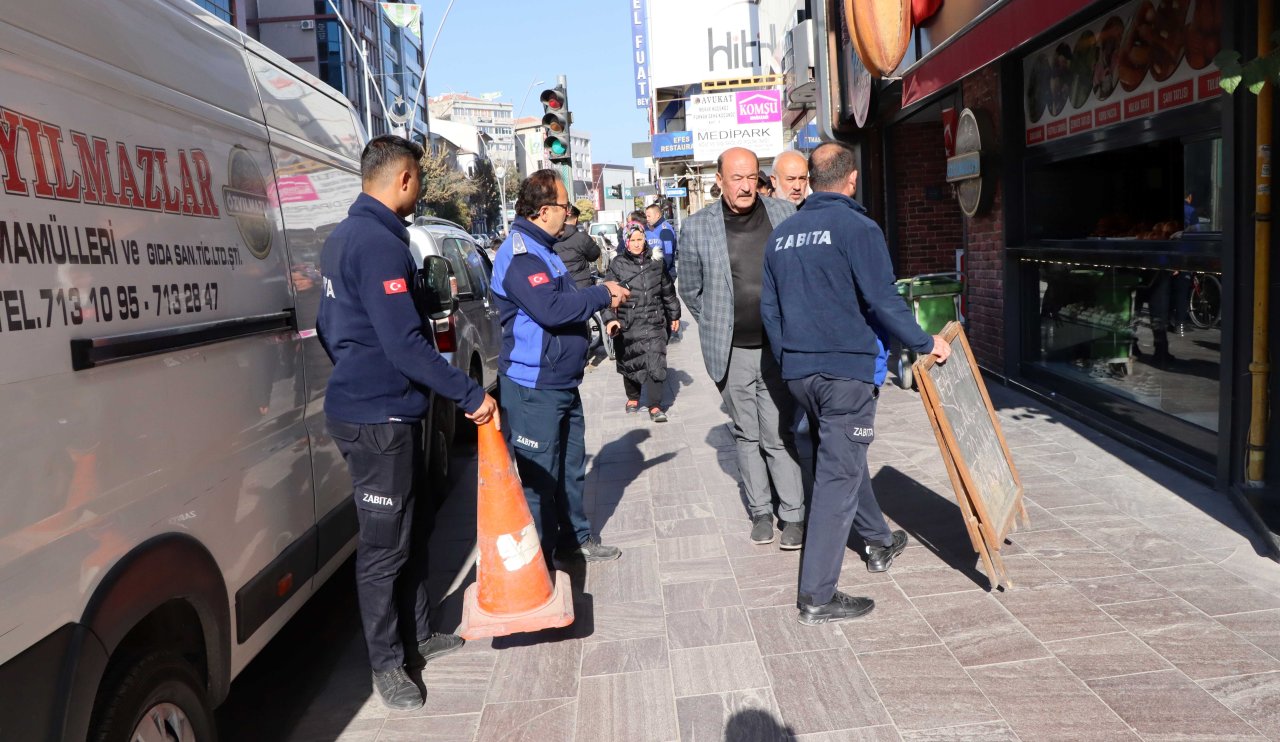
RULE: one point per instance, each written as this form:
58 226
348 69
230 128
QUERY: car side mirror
439 287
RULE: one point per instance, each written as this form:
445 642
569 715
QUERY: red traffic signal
554 99
555 116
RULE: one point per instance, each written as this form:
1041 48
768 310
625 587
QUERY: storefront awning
1006 28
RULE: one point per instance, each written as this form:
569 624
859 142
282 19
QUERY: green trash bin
934 299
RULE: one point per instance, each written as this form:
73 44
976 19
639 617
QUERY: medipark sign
751 119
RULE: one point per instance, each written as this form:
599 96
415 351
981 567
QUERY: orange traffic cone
513 592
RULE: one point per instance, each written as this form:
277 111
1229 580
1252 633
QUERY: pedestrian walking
661 237
643 323
578 251
828 266
384 370
544 351
720 278
791 176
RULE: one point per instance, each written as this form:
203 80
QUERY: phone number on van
73 306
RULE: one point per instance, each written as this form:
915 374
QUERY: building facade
1099 202
493 118
309 34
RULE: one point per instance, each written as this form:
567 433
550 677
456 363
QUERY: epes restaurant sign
1145 57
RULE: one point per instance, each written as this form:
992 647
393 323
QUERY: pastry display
1135 53
1059 78
1166 36
1204 35
1083 63
1037 88
1107 62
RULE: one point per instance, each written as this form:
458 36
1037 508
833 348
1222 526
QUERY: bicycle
1206 301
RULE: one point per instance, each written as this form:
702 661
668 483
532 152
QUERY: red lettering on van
14 183
95 166
44 186
129 194
151 196
68 185
205 176
172 197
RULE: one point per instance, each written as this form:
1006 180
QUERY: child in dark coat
643 323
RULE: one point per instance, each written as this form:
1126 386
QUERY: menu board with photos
1145 57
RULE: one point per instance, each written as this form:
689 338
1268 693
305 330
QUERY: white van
168 496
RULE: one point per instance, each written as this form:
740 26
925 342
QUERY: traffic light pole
566 169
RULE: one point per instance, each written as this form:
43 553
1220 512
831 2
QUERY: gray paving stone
429 728
1252 697
630 707
550 720
925 688
715 669
618 621
1129 588
863 734
978 630
1262 628
1167 705
628 655
1106 656
893 624
633 578
1214 590
702 628
692 596
1070 554
690 547
693 570
824 691
1042 700
996 731
747 715
535 671
1057 612
778 632
1195 644
1141 547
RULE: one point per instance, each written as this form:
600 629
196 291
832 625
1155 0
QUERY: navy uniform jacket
544 313
370 325
829 292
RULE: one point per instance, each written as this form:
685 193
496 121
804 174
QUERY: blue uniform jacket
828 297
544 314
663 236
369 324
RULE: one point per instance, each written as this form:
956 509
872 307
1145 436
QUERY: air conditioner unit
308 25
797 66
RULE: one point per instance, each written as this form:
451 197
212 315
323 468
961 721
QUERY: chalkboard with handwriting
969 434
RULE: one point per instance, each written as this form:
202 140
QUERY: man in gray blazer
721 269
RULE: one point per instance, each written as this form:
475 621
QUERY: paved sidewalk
1142 610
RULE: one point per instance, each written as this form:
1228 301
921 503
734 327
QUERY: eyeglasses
563 206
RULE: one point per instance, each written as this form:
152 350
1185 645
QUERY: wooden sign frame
986 535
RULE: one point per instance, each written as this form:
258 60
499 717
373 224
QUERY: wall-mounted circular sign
969 170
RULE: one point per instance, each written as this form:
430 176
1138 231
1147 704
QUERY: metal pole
368 102
364 57
422 84
566 170
1260 366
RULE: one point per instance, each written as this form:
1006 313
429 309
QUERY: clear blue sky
492 45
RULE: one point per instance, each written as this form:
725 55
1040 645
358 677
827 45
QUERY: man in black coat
577 249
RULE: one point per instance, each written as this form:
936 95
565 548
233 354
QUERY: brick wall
984 238
929 222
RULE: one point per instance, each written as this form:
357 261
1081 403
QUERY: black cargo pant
842 496
391 556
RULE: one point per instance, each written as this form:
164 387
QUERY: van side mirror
439 289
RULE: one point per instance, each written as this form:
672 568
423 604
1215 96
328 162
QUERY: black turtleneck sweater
747 235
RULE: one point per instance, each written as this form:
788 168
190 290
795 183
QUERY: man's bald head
833 166
791 176
736 172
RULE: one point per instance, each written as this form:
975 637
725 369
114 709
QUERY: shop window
1164 191
1148 335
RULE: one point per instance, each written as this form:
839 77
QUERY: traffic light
555 117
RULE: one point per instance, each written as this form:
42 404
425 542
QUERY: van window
454 252
477 264
294 106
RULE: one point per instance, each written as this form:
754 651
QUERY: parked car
472 336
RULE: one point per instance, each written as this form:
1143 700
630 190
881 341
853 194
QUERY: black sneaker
839 608
397 690
657 415
428 649
762 529
880 557
591 550
792 536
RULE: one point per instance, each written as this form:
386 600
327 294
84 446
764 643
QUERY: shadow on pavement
756 725
618 464
931 519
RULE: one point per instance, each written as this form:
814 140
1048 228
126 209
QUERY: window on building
329 54
224 9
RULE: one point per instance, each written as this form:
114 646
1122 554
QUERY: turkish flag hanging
949 121
923 10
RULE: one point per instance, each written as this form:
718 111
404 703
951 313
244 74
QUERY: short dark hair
383 153
537 190
637 215
831 164
574 211
654 205
762 180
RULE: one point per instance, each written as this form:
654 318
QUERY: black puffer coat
645 317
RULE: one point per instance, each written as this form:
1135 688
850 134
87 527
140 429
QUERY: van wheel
158 698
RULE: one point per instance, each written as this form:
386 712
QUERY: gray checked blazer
706 283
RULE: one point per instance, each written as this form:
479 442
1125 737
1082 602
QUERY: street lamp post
501 172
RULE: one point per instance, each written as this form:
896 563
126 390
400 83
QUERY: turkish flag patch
396 286
537 279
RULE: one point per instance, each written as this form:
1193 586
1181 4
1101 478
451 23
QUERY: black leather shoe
880 557
428 649
397 691
840 607
762 529
792 536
